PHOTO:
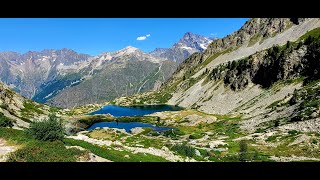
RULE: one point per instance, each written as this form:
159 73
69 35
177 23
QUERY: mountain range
252 96
65 78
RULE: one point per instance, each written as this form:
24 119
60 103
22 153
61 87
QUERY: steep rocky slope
193 71
19 110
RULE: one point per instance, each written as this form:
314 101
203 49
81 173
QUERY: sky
96 35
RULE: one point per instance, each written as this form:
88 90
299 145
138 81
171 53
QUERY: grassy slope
313 33
45 151
38 151
115 155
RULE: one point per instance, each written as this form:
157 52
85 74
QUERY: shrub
259 130
154 133
184 149
243 152
4 121
276 123
299 45
234 64
309 40
173 133
271 138
312 56
288 45
37 151
297 118
314 141
195 136
47 130
293 132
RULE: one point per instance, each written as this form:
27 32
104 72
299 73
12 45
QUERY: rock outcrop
136 130
19 109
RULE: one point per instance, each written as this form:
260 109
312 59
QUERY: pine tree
243 152
299 45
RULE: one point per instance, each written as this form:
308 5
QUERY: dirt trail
5 150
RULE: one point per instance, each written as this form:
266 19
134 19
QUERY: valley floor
197 137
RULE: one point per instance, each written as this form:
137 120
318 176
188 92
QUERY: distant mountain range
65 78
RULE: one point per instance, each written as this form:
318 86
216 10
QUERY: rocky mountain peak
190 40
187 45
188 35
66 51
191 36
129 49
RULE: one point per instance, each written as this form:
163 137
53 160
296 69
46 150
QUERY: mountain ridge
42 75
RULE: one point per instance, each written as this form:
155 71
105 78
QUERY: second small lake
118 111
127 126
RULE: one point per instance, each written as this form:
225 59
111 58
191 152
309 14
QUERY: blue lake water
118 111
127 126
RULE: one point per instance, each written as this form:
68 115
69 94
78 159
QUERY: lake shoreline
128 126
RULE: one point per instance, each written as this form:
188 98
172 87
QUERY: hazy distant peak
129 49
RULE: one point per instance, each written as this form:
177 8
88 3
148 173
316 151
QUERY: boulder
197 152
136 130
165 148
194 120
314 115
216 143
210 119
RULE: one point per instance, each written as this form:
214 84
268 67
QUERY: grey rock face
253 29
12 105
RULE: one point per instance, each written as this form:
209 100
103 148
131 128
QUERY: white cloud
141 38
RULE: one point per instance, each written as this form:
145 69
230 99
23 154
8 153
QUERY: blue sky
96 35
